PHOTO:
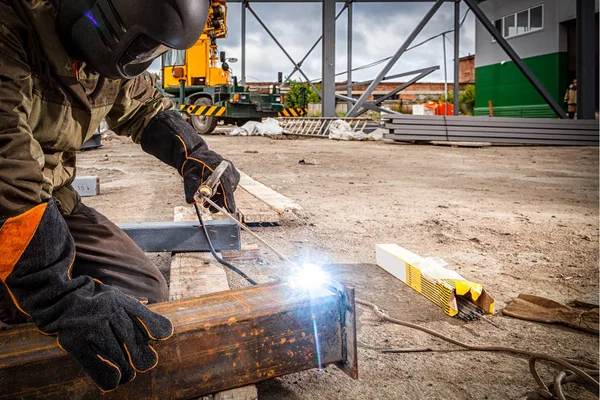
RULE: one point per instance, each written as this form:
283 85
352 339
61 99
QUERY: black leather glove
104 330
172 140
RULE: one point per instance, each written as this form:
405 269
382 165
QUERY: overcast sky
379 30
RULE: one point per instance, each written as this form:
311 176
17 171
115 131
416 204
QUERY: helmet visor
139 55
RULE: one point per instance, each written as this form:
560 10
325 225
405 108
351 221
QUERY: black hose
214 253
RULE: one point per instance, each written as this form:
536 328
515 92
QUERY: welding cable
214 253
573 369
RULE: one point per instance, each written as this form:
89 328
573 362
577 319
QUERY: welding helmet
121 38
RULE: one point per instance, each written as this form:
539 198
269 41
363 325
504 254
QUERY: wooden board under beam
221 341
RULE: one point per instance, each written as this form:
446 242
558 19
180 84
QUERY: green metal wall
511 93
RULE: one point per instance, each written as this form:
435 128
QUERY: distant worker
571 99
65 65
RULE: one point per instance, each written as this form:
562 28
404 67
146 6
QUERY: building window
519 23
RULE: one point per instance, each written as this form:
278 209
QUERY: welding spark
310 276
90 16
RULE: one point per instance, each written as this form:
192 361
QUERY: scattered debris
304 162
269 127
251 151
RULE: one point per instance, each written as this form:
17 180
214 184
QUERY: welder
65 65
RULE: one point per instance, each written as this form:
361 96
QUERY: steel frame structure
329 18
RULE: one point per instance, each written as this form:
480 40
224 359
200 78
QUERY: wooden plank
253 210
194 275
461 144
276 201
249 252
250 209
221 341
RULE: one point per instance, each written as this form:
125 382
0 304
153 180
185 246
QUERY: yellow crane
206 90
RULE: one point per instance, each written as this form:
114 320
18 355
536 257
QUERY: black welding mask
121 38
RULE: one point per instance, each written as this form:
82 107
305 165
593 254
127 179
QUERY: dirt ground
516 219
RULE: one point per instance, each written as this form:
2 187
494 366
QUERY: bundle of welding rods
468 311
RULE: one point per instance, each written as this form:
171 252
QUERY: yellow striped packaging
440 285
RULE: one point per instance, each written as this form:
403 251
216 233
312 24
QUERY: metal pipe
328 59
516 59
311 49
445 74
350 7
456 56
586 81
244 5
283 49
363 99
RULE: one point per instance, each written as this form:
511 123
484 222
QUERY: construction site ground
516 219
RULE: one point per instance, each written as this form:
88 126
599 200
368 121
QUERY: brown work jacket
50 104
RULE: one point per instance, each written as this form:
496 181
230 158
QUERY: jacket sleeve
137 103
22 183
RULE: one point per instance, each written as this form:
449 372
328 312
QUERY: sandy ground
516 219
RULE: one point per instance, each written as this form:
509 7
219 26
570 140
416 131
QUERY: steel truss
361 105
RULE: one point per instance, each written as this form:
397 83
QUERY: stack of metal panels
495 130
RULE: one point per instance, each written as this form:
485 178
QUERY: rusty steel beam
222 341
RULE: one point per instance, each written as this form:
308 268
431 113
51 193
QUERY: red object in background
445 109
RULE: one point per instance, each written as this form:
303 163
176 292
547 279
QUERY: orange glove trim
15 235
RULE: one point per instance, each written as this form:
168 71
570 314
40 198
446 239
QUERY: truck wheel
203 125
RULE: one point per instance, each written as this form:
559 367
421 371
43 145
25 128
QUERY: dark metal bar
283 49
221 341
516 59
92 143
244 5
456 56
350 7
586 51
328 59
183 236
363 99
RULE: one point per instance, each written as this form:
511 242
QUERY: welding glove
172 140
104 330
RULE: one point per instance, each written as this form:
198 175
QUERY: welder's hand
107 333
171 139
104 330
198 167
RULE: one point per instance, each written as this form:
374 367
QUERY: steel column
350 7
328 60
445 73
586 52
516 59
363 99
283 49
311 49
456 56
244 5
